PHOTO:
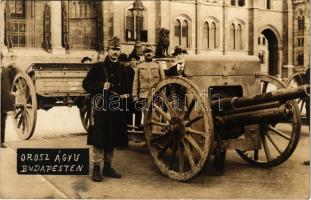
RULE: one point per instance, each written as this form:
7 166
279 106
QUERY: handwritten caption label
53 161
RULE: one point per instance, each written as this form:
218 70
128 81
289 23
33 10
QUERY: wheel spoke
190 130
273 143
167 103
174 152
264 87
189 123
265 147
194 144
189 154
20 120
163 150
283 135
164 114
18 113
302 104
181 158
159 123
189 109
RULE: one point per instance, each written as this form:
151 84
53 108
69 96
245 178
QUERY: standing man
147 74
107 83
7 99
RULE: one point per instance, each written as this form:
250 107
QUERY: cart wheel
278 139
25 113
178 128
298 79
85 112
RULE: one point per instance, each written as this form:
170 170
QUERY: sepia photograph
155 99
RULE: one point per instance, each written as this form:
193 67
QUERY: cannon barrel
281 113
280 95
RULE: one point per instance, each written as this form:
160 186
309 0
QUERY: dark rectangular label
53 161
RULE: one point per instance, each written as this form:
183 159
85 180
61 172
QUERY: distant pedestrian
178 67
7 99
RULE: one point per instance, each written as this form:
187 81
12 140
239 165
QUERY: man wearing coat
107 83
7 99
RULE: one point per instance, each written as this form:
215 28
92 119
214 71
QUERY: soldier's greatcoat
109 128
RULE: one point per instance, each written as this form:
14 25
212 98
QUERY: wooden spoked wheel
298 79
279 138
85 112
25 113
178 128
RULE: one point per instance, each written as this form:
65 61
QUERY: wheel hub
176 127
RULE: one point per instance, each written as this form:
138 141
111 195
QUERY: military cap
114 42
148 48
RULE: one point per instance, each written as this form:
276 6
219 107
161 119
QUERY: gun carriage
223 103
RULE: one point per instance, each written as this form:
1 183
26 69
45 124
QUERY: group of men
120 77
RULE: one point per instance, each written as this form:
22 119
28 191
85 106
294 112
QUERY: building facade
67 30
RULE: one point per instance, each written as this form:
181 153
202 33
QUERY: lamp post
138 23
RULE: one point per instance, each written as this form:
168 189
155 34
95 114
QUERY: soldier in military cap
147 74
107 80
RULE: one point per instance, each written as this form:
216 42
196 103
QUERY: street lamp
138 24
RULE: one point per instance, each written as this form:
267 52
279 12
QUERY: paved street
61 128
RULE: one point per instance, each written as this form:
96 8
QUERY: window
236 36
259 40
232 2
264 41
232 37
300 58
268 4
241 3
181 32
301 23
177 33
209 35
82 25
24 23
135 26
300 42
261 57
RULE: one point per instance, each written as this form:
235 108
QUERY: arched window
239 44
232 37
213 36
232 2
177 38
301 23
181 32
241 3
205 41
184 34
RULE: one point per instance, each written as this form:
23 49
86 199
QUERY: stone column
225 38
56 27
2 31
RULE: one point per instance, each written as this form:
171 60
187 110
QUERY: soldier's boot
96 176
109 171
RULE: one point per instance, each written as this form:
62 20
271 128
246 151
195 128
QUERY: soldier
107 80
147 74
7 99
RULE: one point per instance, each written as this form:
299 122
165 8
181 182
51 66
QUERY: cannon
223 103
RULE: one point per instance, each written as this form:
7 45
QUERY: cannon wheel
179 136
278 140
85 112
25 113
297 79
